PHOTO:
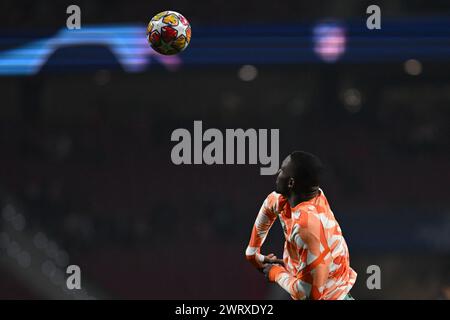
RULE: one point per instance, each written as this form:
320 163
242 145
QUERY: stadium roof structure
327 41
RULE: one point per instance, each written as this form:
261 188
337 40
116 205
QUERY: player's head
299 173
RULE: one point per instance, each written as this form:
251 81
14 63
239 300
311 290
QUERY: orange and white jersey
316 257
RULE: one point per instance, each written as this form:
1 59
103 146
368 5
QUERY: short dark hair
307 170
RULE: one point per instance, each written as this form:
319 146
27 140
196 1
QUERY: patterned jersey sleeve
264 221
311 280
297 288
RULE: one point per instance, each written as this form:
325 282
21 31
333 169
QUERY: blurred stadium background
85 124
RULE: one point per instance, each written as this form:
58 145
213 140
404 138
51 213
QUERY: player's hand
266 270
271 258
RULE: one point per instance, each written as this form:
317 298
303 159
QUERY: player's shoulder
311 211
273 200
273 195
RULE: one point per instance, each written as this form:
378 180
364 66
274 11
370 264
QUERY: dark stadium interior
85 162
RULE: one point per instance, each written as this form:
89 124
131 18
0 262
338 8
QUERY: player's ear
291 183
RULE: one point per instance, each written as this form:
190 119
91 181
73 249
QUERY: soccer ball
168 32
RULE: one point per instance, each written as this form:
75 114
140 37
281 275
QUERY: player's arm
264 221
316 269
295 287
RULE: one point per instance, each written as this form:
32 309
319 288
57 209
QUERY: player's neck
295 199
